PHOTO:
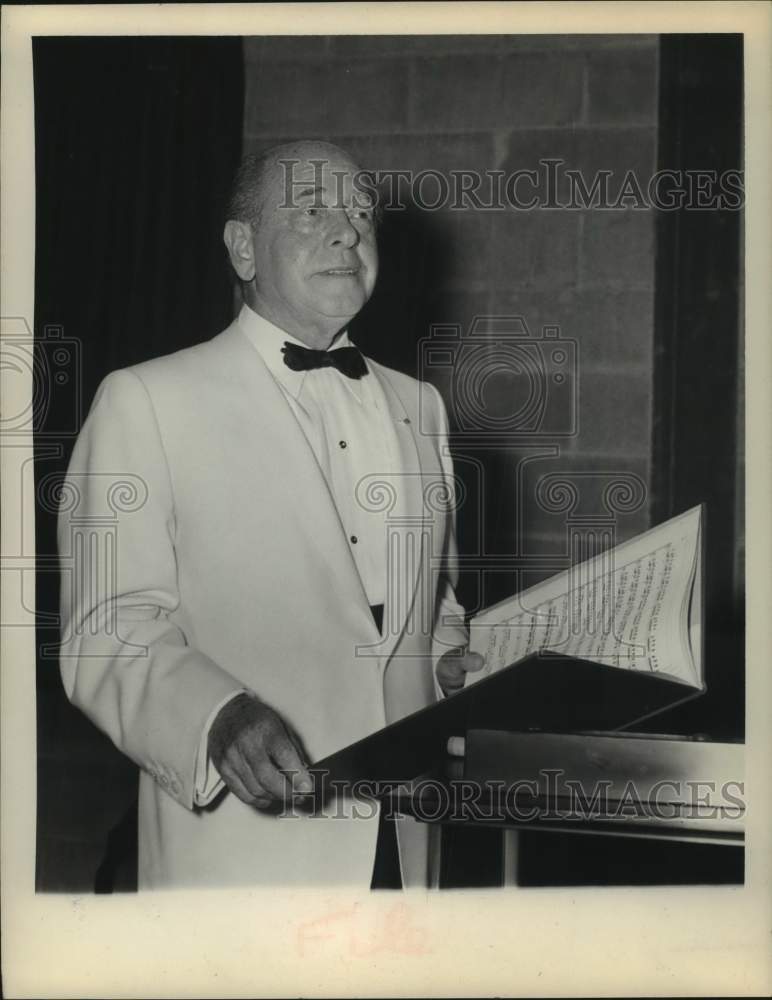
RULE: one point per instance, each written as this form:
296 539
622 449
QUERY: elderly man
252 625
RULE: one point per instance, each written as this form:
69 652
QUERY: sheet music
627 607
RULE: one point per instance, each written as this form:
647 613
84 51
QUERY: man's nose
342 231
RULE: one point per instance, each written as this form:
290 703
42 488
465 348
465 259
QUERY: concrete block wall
497 103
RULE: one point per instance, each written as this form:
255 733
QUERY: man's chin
342 309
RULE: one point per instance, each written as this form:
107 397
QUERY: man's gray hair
246 196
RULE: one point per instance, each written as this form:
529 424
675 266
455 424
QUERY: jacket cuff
207 782
448 634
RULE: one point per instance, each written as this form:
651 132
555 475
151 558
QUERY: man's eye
315 210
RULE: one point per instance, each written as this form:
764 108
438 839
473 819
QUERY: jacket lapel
304 488
405 525
297 474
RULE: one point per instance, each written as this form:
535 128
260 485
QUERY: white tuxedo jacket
220 564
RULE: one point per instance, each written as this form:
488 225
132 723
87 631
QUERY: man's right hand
256 755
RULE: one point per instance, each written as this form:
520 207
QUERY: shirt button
342 444
354 539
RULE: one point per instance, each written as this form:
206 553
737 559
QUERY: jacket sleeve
449 621
123 661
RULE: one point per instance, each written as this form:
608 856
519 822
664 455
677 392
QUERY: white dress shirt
348 426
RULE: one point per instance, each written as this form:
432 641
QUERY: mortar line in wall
422 132
474 285
618 369
617 45
615 287
598 457
558 533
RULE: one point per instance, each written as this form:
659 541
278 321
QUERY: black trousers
386 872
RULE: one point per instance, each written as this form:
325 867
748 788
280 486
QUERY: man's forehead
321 169
295 179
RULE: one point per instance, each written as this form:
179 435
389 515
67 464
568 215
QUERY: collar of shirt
268 340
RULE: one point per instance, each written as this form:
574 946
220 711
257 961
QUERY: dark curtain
698 400
136 143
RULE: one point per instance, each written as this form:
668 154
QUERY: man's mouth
341 272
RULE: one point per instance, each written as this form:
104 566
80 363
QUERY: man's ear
238 239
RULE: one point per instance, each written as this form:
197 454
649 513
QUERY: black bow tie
347 360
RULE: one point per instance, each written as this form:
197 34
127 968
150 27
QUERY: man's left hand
453 667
